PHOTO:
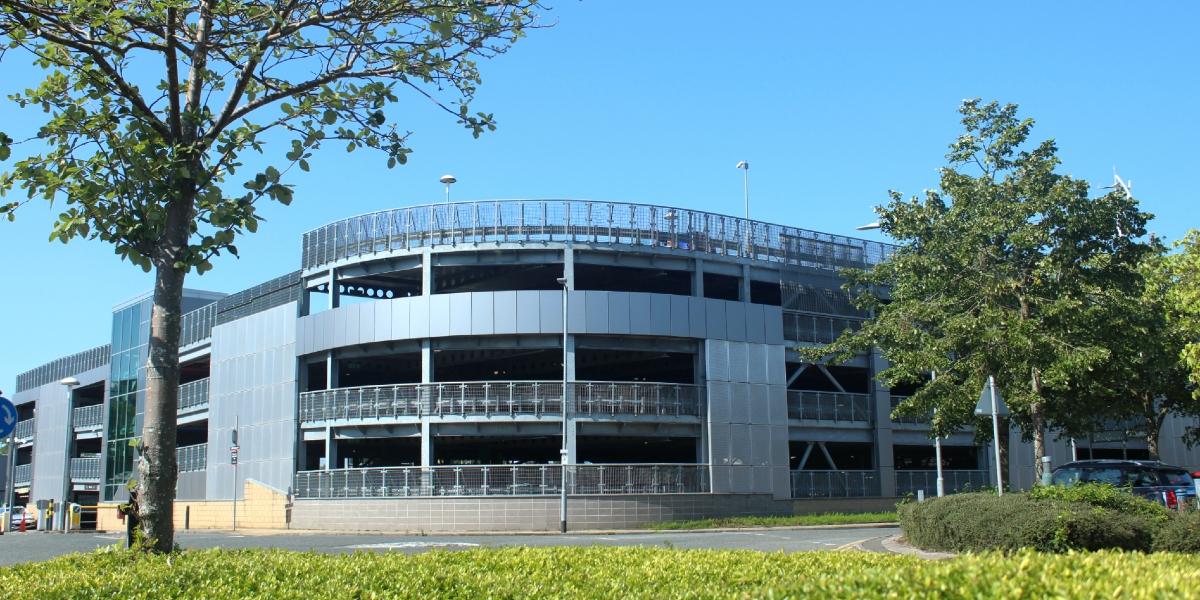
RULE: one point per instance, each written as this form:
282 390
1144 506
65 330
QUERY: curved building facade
435 367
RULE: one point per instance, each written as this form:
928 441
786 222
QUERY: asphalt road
35 546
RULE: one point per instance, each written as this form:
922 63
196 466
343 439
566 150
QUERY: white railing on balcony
192 458
22 474
85 469
193 396
88 417
835 484
601 398
828 406
24 430
584 221
499 398
503 480
953 481
909 420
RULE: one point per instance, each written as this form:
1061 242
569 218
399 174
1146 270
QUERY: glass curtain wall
130 339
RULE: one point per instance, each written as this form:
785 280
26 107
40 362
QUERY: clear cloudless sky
833 104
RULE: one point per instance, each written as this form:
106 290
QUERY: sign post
990 403
8 426
233 460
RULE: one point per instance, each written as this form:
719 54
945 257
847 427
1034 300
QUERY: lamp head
447 179
744 164
69 381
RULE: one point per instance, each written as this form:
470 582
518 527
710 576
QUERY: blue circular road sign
8 417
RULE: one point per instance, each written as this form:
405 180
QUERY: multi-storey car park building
410 376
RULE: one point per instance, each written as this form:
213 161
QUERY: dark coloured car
1150 479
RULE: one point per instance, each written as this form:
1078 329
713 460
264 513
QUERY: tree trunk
157 469
1037 418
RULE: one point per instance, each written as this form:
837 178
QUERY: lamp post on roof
448 180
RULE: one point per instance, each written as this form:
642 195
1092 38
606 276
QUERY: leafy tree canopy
995 273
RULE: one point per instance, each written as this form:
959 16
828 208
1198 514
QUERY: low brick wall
497 513
260 507
816 506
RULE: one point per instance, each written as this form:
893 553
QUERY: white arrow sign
10 416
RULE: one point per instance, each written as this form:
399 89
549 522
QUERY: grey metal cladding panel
366 322
698 318
504 307
735 321
383 320
418 317
773 324
718 443
739 403
760 444
304 335
618 312
660 314
679 316
482 319
738 357
550 315
718 401
716 360
439 315
777 404
596 309
776 365
760 398
400 316
756 363
528 309
714 319
739 444
460 314
577 312
639 313
779 446
344 318
755 331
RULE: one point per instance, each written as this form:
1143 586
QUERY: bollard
187 517
920 495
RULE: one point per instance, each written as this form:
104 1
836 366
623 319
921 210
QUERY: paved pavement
34 546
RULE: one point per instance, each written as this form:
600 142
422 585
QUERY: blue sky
833 104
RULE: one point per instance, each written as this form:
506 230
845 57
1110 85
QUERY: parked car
18 513
1151 479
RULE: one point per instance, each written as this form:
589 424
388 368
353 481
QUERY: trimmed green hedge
1180 534
1104 495
984 521
598 573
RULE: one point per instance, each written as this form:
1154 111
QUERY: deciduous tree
151 105
994 273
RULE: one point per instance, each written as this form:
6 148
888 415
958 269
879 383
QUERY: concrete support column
572 425
335 299
426 377
882 398
331 371
426 272
569 266
745 295
698 279
330 450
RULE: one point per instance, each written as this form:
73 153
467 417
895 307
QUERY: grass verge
788 521
597 572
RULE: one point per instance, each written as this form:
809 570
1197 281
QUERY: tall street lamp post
564 452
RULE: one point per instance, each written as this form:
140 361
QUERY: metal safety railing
828 406
584 221
503 480
800 327
88 417
85 469
197 325
835 484
608 398
906 419
953 482
22 474
193 396
499 398
24 430
192 458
